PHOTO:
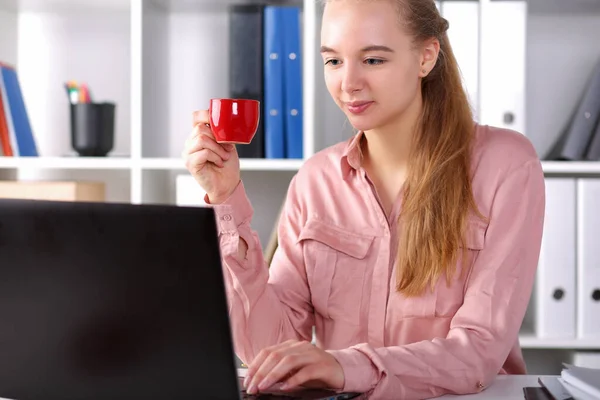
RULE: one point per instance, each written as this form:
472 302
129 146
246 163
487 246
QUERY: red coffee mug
234 120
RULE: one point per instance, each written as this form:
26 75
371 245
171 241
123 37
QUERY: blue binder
273 81
293 82
25 145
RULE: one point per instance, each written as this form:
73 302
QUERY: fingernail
265 384
246 381
285 386
251 389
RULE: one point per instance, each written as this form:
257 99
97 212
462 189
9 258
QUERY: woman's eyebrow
374 47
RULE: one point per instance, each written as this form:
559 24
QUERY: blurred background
97 99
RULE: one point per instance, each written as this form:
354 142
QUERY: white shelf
530 341
571 167
246 164
550 167
103 163
163 163
92 163
270 165
65 5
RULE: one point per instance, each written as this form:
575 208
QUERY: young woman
411 248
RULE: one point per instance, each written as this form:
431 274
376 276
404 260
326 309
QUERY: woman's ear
429 55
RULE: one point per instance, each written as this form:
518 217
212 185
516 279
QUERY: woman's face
372 69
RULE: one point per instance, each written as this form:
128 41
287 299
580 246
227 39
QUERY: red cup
234 120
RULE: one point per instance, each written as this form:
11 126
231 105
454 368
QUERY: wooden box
53 190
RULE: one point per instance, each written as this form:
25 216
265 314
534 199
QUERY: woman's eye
374 61
333 62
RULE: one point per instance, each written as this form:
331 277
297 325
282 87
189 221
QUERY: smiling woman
411 248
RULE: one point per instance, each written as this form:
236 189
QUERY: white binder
555 277
502 69
463 16
588 258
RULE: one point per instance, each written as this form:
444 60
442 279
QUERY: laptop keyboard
266 396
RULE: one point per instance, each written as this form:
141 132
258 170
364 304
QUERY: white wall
199 70
54 48
8 32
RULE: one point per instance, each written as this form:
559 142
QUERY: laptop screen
112 301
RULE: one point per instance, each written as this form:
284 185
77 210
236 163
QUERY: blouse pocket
444 300
336 261
450 298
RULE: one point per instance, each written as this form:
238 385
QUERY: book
22 141
246 67
584 379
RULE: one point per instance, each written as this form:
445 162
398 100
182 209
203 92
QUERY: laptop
115 301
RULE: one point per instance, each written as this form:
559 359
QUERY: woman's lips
358 107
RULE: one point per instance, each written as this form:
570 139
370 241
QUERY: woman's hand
216 167
294 364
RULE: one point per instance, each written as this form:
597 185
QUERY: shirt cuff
233 212
360 375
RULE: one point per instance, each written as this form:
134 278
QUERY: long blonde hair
437 191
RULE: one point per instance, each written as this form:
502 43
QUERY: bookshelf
161 59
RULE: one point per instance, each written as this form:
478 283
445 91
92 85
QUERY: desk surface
504 387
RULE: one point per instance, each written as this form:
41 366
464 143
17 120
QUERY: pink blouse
334 269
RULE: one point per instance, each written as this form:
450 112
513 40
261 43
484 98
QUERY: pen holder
92 128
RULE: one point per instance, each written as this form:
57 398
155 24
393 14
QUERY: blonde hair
437 191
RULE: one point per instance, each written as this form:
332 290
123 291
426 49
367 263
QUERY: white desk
504 387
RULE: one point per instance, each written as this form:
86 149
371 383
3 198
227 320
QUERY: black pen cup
92 128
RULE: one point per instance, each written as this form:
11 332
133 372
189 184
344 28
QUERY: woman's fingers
201 130
302 376
200 117
205 142
198 159
266 360
199 141
285 368
262 356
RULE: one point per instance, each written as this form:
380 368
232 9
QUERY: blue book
25 142
273 82
292 70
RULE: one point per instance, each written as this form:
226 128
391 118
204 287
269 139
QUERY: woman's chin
361 124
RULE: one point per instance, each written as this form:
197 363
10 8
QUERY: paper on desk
575 392
584 379
556 389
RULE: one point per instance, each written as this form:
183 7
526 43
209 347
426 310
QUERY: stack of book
575 383
265 64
